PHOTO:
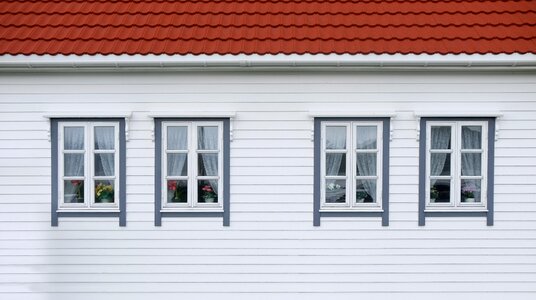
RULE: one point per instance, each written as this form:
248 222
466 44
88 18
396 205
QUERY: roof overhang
9 63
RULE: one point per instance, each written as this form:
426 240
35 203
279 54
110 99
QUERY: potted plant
104 193
434 194
468 193
176 193
208 194
361 196
79 190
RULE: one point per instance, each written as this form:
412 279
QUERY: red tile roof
267 26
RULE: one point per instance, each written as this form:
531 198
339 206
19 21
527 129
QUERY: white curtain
471 162
208 139
105 140
366 166
177 137
366 137
440 140
335 139
73 163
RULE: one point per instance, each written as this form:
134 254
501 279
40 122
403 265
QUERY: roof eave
278 62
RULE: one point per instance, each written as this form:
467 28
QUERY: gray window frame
54 134
158 213
317 213
489 214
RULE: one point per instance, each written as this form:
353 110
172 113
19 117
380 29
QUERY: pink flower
172 185
207 188
76 182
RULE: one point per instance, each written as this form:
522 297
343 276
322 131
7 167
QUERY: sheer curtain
366 166
366 162
471 162
177 138
440 140
208 139
335 139
104 140
73 163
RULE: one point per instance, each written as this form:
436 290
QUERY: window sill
88 210
352 210
197 209
468 209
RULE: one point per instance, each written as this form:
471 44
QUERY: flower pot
469 199
209 199
106 200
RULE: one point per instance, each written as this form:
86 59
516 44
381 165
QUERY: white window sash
89 166
192 174
455 169
351 167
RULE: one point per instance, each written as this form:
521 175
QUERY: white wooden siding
271 250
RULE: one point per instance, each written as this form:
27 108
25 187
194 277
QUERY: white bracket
418 128
231 121
497 128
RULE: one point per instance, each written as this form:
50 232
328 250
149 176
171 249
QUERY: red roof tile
267 26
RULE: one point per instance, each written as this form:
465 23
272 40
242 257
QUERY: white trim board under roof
279 62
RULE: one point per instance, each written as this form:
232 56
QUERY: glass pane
440 164
471 137
104 137
336 164
104 191
177 164
104 164
73 191
366 137
471 190
335 137
207 191
441 136
335 191
471 164
207 164
177 138
73 164
365 191
73 138
366 164
440 191
177 191
207 138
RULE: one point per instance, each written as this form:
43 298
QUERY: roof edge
281 62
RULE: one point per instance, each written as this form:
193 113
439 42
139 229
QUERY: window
457 165
351 162
193 159
88 166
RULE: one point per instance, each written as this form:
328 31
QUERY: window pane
207 164
104 164
366 164
104 191
441 136
440 164
335 191
177 191
207 191
336 164
177 138
365 191
104 137
177 164
471 164
73 164
73 138
471 137
440 191
366 137
73 191
207 138
335 137
471 190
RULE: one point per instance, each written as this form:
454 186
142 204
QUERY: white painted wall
271 250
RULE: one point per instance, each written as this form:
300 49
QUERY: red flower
76 182
172 185
207 188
